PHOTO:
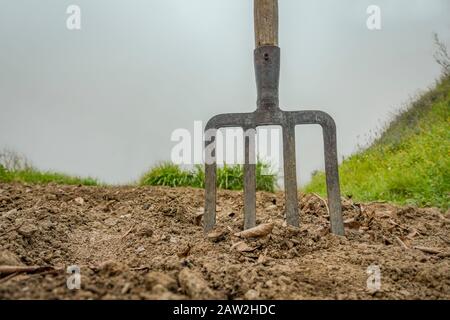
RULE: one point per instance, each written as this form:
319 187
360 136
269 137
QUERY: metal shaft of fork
267 70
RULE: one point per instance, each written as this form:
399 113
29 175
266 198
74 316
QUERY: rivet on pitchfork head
268 113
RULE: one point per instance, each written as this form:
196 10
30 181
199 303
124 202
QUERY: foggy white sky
103 101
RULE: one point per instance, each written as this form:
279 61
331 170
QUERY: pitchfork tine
210 183
332 177
249 179
290 176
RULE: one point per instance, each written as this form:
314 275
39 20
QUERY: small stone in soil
153 279
140 249
251 294
79 201
145 230
27 230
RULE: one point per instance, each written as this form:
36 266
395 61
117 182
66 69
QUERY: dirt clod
28 229
111 268
145 230
7 258
195 286
216 235
79 201
257 232
251 295
241 246
153 279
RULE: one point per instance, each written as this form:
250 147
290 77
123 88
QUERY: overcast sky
104 100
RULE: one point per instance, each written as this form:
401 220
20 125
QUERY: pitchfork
268 113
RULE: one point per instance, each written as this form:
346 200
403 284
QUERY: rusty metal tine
249 179
210 184
290 175
332 177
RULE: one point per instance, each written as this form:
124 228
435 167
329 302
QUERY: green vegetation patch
228 177
37 177
409 163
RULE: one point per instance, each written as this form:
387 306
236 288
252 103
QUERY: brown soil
148 243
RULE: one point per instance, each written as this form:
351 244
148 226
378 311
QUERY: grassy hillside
409 163
34 176
15 167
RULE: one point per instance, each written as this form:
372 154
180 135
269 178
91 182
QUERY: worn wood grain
266 22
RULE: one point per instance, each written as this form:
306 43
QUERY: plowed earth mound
148 243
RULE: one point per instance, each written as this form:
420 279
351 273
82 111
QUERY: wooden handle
266 23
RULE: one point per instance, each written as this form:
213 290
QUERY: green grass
409 163
171 175
228 177
34 176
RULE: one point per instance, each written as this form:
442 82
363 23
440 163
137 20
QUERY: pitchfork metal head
268 113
